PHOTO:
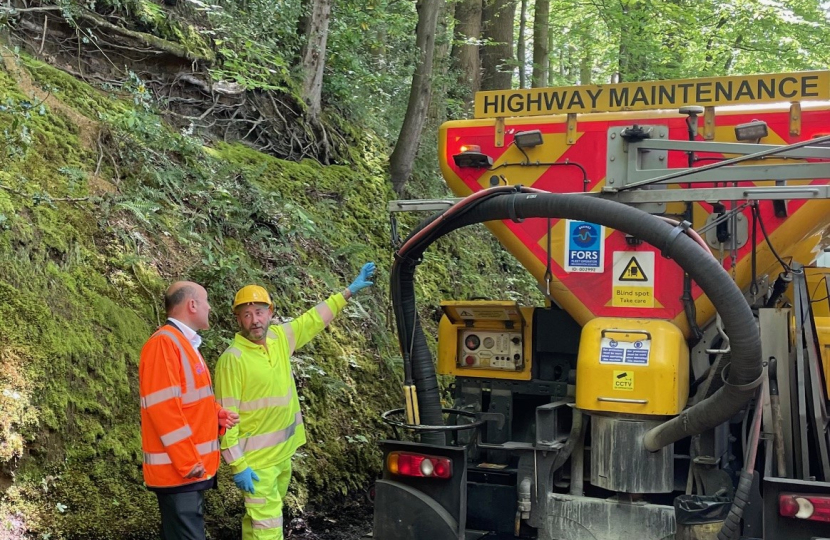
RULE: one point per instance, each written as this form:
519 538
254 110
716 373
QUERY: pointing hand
362 279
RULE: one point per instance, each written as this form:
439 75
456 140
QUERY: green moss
86 100
171 28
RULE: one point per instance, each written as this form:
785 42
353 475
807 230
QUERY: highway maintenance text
810 85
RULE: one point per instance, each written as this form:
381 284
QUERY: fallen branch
43 39
47 197
12 10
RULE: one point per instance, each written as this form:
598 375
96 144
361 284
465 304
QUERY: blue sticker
636 356
609 355
635 353
584 249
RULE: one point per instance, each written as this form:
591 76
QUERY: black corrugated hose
731 528
505 203
416 355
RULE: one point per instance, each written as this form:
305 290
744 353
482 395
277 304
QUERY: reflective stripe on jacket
179 423
256 381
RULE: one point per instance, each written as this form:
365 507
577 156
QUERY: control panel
490 350
487 339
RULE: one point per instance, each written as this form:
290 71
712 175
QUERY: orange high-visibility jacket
179 424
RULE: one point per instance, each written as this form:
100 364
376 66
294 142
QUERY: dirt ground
350 522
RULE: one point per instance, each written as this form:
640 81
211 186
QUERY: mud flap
408 508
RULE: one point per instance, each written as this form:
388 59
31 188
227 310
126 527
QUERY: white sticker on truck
629 353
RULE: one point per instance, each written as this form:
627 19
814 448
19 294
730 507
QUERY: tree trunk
314 54
586 67
727 67
632 62
585 51
403 156
438 103
541 31
465 49
623 61
710 43
551 66
497 58
570 64
521 61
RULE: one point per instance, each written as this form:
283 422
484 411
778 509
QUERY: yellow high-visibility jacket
258 384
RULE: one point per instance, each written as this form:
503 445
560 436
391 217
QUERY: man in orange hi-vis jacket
180 418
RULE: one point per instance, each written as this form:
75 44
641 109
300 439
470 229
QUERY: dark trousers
182 515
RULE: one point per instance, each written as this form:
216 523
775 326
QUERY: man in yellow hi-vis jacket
254 379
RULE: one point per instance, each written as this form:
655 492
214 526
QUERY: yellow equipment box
634 366
485 338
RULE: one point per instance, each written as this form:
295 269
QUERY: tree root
96 20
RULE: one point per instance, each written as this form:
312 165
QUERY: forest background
259 141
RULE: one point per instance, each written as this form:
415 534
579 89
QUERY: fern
141 209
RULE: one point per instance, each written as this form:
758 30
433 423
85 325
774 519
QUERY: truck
674 382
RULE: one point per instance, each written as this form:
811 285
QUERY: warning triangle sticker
633 272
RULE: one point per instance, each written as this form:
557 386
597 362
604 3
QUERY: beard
255 333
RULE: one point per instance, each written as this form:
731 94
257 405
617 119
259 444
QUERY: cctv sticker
624 380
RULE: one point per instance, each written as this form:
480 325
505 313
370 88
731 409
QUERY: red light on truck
470 148
811 507
418 465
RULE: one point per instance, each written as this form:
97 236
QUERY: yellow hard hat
251 294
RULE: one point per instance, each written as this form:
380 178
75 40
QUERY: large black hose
418 366
731 527
700 265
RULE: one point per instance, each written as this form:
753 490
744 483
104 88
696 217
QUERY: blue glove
362 279
245 480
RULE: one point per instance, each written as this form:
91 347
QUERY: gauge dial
472 342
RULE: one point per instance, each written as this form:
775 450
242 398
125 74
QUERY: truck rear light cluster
812 507
418 465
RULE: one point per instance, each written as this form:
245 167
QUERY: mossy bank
101 206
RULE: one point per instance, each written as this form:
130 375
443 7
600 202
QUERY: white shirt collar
189 333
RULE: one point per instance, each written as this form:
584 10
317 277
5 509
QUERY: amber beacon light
471 157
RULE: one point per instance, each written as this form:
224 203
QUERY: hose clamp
724 374
679 229
512 209
412 261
